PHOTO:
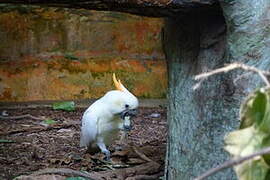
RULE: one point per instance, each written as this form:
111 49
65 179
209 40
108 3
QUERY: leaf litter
56 145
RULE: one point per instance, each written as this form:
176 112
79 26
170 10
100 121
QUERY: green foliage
49 121
66 106
253 135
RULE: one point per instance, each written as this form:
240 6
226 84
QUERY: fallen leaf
6 141
49 121
66 106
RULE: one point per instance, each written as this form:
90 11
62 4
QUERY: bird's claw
127 128
107 155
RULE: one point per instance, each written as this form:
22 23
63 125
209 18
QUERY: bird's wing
88 129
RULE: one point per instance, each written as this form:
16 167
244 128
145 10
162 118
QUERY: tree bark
198 120
248 37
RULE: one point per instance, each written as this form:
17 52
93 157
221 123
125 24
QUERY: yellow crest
117 83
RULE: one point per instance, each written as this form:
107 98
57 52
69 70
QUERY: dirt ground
35 144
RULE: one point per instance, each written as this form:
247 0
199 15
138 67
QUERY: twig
231 163
68 172
141 155
38 129
241 76
231 67
21 117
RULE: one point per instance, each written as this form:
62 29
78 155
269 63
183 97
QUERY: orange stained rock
35 80
56 54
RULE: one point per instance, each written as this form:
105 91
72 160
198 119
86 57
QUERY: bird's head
121 101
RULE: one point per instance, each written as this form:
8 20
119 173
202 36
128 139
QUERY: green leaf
266 143
253 109
49 121
265 123
252 170
253 135
71 57
6 141
67 106
76 178
244 141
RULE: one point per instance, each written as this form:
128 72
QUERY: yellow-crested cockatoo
106 117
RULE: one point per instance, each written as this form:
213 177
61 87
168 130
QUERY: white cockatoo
106 117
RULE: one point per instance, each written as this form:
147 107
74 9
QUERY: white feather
101 122
88 129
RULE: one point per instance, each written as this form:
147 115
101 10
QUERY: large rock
158 8
56 53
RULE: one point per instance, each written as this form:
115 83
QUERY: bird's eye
126 106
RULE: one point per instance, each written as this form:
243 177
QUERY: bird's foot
107 155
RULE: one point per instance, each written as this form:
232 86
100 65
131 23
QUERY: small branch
21 117
141 155
231 67
232 162
241 77
38 129
216 71
264 78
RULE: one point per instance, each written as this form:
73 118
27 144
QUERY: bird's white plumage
101 121
88 129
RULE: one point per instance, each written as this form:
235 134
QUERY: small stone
4 113
155 115
64 130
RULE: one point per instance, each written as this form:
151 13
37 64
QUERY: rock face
56 53
156 8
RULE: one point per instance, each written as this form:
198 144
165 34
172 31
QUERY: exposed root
147 171
65 172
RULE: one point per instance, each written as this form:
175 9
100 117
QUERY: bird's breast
109 130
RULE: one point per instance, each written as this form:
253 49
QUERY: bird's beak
128 112
126 115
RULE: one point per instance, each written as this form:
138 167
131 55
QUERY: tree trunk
198 120
248 37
